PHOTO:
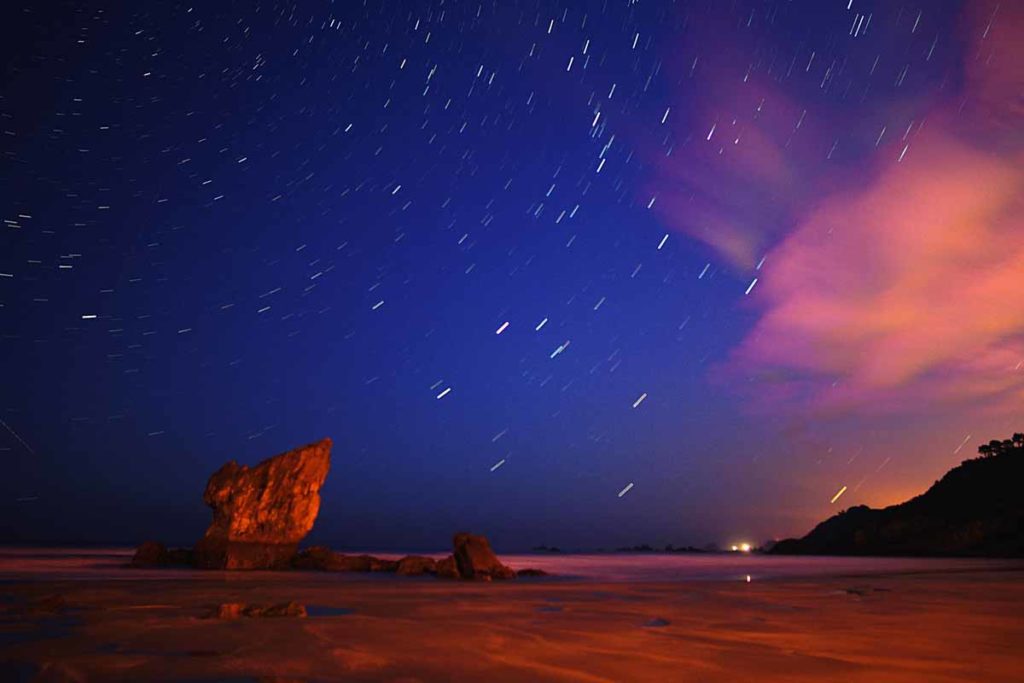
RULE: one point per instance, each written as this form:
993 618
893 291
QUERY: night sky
579 274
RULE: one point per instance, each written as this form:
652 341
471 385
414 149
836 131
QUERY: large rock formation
976 509
261 513
475 559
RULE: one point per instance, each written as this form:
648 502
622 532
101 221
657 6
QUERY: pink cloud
902 291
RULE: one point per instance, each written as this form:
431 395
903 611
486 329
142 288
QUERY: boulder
153 554
320 558
413 565
446 568
380 565
149 554
236 610
531 572
260 514
475 559
179 556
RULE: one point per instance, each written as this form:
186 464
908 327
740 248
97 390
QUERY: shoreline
942 625
112 563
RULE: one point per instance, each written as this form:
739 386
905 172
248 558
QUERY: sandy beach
68 617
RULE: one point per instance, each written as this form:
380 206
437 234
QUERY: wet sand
957 626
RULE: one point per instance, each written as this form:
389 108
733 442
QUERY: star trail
513 257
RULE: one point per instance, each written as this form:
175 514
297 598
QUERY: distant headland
975 510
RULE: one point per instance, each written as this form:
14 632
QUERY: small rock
475 559
446 568
316 557
149 554
379 565
414 565
227 610
324 559
236 610
531 572
153 554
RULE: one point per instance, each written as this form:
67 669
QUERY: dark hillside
976 509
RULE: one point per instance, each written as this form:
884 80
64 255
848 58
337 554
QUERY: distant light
748 578
741 548
625 490
663 239
498 464
444 393
640 400
751 286
503 327
89 317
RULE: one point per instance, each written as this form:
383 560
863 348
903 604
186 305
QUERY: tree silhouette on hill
996 447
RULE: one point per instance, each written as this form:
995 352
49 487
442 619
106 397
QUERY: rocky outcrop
976 509
260 514
414 565
475 559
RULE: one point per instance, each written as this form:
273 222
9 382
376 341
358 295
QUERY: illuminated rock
261 513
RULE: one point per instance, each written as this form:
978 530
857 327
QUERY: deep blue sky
232 188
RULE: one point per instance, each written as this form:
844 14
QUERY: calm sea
108 563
